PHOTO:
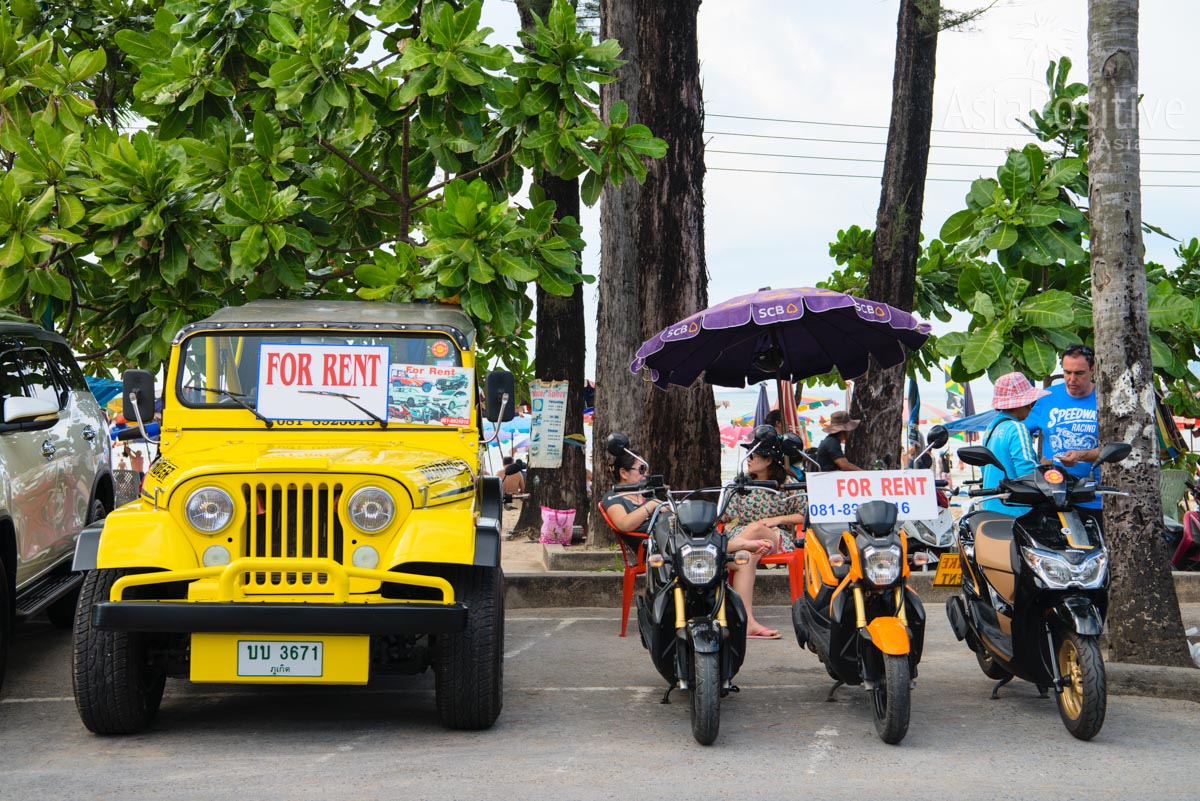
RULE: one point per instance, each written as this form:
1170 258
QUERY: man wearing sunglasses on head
1067 418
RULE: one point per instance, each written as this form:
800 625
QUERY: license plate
280 658
949 572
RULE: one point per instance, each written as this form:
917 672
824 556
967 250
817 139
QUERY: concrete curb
1178 683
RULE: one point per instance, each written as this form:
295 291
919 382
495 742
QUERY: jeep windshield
342 377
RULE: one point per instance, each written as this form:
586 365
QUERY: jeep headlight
1058 573
699 563
209 509
881 565
371 509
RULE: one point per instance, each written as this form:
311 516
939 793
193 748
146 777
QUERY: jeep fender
487 525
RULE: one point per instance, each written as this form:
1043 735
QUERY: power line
878 178
935 130
880 161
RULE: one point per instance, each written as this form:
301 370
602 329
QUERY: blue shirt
1009 440
1067 424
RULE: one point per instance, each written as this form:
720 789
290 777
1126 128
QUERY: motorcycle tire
891 699
987 663
706 697
1084 697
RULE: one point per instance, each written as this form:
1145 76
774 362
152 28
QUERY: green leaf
1051 309
281 29
515 267
1039 357
960 225
48 282
983 307
1002 238
85 64
983 347
1014 175
250 248
1062 171
1035 216
1168 307
980 195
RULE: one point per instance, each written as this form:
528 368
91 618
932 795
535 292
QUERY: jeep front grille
291 520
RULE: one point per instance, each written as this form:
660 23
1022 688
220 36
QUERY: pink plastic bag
557 525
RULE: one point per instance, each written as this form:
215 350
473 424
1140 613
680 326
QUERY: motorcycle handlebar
977 493
627 488
941 483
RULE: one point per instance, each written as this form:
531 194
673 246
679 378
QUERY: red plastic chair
634 560
795 567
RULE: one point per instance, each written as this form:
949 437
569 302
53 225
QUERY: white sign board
834 497
295 382
430 394
548 401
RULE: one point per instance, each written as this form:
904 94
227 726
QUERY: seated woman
629 512
761 522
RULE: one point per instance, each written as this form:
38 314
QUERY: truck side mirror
500 393
137 388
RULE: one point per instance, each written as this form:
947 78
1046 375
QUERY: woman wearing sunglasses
629 512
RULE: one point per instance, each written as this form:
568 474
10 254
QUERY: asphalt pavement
582 720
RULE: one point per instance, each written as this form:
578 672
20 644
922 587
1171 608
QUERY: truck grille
296 520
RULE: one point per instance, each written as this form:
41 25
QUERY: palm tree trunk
1144 622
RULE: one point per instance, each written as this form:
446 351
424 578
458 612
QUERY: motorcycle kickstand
829 699
999 684
666 699
1042 691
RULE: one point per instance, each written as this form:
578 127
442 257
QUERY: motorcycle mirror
1114 452
791 445
938 436
616 443
978 456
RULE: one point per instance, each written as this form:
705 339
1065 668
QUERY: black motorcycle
690 620
1035 587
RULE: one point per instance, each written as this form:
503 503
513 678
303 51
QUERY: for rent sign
294 381
835 497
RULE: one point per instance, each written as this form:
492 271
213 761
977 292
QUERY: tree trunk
652 259
1144 621
620 396
559 353
879 395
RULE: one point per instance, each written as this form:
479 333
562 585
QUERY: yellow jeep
300 525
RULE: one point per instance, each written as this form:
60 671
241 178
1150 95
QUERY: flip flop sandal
763 634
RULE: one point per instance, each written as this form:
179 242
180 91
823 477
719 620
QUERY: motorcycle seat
993 534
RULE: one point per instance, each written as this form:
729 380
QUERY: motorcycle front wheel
1084 697
890 700
706 697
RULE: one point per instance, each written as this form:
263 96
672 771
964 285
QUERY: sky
810 64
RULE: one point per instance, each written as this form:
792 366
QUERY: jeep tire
469 665
117 690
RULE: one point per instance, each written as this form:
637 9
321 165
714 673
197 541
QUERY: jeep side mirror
500 393
137 389
616 444
938 436
978 456
1114 452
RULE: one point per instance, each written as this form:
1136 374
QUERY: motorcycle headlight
699 563
209 509
1059 573
371 509
881 565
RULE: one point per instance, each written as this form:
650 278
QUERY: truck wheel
62 611
6 615
117 690
469 665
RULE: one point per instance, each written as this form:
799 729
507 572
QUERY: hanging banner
548 401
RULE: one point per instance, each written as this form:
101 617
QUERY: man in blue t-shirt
1067 419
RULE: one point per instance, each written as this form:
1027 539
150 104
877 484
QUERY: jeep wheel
469 665
117 690
6 616
62 612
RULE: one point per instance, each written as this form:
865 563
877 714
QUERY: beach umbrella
733 434
763 407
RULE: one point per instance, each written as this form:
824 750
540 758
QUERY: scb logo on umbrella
880 312
778 312
683 330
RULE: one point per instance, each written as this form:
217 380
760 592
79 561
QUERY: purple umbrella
789 334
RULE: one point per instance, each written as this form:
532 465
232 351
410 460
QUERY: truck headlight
699 564
371 509
881 565
1058 573
209 509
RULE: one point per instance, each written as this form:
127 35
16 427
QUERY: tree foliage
293 148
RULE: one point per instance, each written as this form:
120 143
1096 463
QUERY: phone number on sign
848 508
